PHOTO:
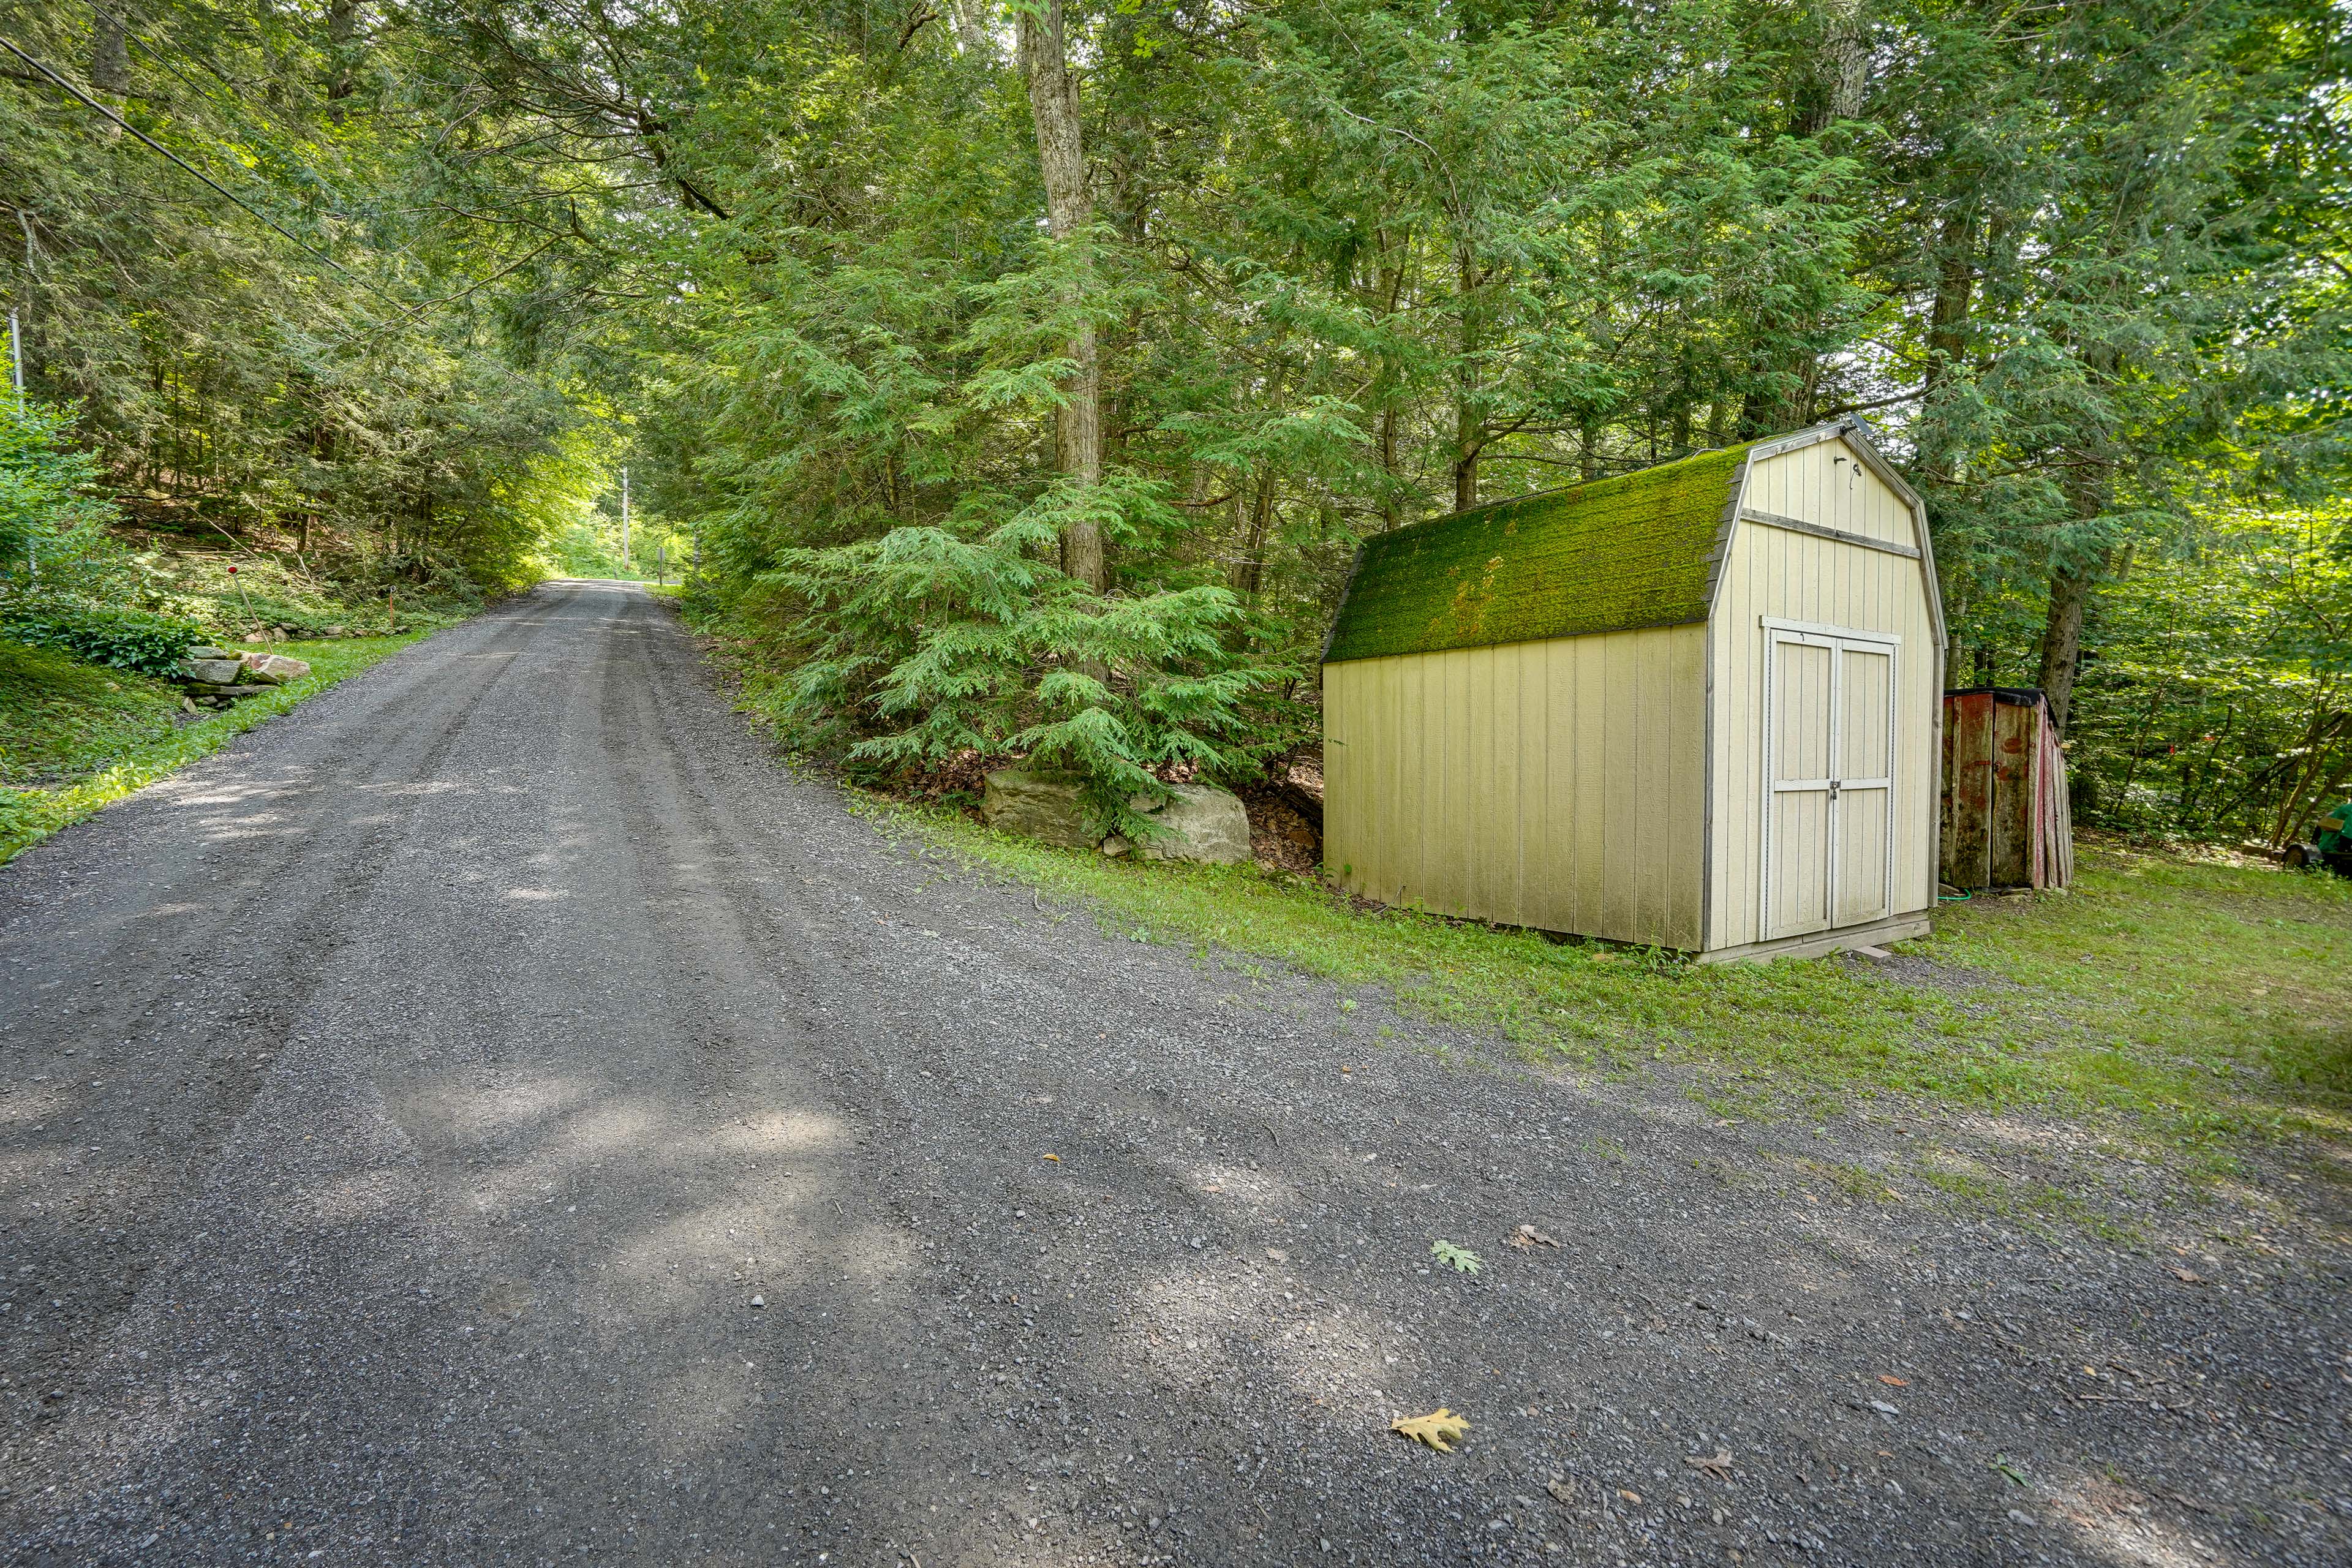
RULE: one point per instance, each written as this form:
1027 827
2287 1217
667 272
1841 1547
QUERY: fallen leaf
1461 1259
1055 1158
1528 1235
1561 1488
1629 1496
1891 1381
2187 1276
1439 1428
1717 1464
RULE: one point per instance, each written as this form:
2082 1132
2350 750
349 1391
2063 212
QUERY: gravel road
497 1114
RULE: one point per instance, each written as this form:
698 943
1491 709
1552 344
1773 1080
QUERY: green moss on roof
1635 550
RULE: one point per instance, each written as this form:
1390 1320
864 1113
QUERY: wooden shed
1696 706
2007 821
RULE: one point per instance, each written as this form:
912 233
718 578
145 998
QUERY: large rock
212 671
275 669
205 651
1049 807
1202 823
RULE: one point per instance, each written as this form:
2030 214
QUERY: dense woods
1026 375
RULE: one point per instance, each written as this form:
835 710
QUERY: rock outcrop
1196 821
274 668
1203 823
217 677
1048 807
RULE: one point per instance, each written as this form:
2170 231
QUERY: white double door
1829 770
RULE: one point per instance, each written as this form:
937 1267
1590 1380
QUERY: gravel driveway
497 1114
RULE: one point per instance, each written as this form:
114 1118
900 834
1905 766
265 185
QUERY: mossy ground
2186 1012
75 736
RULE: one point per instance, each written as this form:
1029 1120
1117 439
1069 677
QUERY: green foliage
1461 1259
136 640
44 485
2218 696
391 418
933 641
1349 264
61 716
79 751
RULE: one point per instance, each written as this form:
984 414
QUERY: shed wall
1777 573
1558 784
1827 484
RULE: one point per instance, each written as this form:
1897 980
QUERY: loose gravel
498 1114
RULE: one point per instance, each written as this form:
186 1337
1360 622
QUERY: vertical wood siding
1772 572
1555 784
1826 483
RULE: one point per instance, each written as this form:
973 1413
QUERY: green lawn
76 736
2187 1009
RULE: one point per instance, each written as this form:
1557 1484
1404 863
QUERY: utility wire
93 103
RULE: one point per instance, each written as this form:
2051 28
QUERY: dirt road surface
498 1115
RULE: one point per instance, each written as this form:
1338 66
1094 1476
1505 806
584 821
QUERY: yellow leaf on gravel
1438 1429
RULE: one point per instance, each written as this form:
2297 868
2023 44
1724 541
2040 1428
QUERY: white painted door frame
1837 640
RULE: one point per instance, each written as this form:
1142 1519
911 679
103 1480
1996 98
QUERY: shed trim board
1723 537
1822 531
1901 928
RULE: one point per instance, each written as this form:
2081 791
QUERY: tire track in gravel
634 1026
249 987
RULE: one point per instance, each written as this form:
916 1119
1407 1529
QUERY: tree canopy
1028 374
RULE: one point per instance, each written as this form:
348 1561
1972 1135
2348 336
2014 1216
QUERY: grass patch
75 737
2124 1003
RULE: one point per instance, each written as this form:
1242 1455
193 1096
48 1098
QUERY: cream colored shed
1696 706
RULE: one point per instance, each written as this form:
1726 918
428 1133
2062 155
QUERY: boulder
205 651
1203 823
1049 807
275 669
212 671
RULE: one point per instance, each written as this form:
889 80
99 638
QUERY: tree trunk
1069 210
972 36
110 51
1846 57
1469 436
2061 636
1956 284
110 60
343 27
1249 564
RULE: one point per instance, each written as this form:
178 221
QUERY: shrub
933 641
136 640
44 483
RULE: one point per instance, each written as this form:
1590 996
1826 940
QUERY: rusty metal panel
1968 788
2015 734
2005 816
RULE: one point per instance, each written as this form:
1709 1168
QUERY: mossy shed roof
1612 555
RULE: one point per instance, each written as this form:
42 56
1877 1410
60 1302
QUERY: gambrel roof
1635 550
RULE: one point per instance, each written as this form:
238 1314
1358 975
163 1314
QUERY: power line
93 103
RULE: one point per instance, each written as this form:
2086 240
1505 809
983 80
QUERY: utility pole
624 517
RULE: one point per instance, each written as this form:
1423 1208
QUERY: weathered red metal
2006 823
